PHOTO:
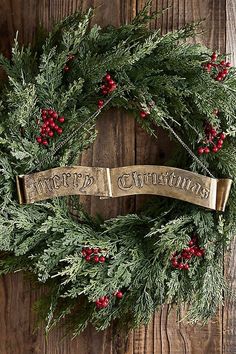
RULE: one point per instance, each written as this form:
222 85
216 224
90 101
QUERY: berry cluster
108 85
103 301
49 125
181 260
70 58
93 255
220 70
213 142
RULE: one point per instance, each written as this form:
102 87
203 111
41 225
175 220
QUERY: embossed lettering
56 180
122 182
88 181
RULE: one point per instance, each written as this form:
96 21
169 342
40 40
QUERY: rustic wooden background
120 142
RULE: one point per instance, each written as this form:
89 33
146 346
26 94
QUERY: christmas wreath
126 267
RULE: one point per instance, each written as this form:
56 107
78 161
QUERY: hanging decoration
166 181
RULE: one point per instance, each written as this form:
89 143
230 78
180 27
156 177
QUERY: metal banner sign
165 181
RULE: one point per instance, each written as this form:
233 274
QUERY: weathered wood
120 142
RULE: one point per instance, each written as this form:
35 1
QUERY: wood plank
229 310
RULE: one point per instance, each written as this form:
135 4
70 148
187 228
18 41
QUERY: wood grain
120 142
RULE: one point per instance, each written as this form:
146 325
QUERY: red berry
56 127
96 259
222 74
61 119
50 112
113 88
175 264
102 302
225 72
66 68
222 136
39 139
98 304
198 253
105 303
44 112
215 149
209 66
100 103
119 294
181 266
223 63
213 132
52 124
47 129
220 142
87 258
102 259
45 142
54 115
104 92
111 82
59 131
194 238
228 64
214 57
200 152
108 77
50 134
186 266
143 114
89 251
186 255
84 253
219 77
206 150
96 250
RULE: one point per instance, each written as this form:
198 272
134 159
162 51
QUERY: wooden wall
164 335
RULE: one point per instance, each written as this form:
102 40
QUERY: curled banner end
223 190
20 190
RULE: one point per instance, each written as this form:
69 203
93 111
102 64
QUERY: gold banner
165 181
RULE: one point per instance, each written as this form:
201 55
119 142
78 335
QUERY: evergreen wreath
126 267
